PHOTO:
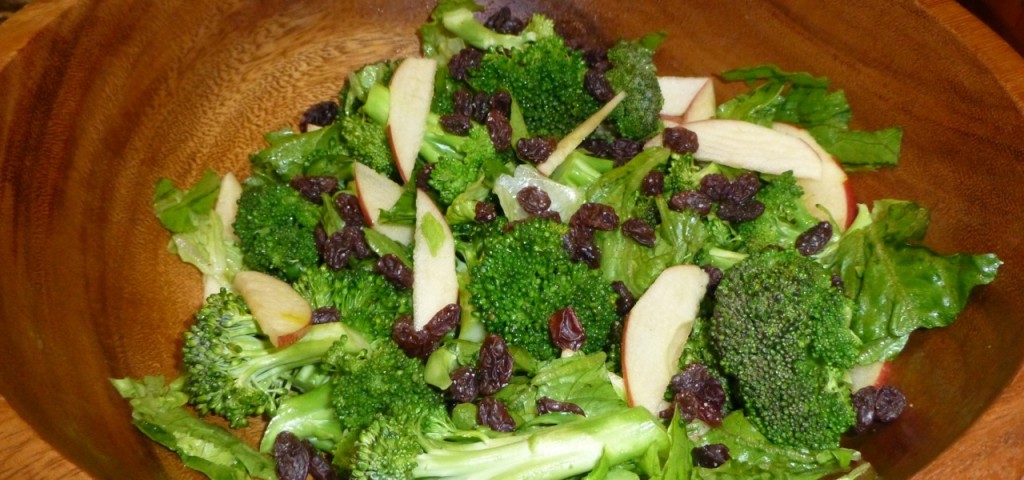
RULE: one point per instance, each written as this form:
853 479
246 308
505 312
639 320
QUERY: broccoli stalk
233 370
310 416
580 170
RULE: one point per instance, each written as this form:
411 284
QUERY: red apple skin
290 338
883 375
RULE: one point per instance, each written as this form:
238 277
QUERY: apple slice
434 284
377 192
740 144
870 375
227 203
688 99
283 315
412 90
656 331
829 194
574 138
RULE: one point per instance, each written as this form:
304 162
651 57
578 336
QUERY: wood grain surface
993 445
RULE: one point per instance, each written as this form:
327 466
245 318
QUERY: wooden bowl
99 99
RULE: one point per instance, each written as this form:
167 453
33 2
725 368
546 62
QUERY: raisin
597 59
715 186
502 21
696 201
421 343
743 188
456 124
814 239
548 405
501 101
597 216
653 184
889 404
679 140
598 86
714 278
465 386
837 281
588 254
740 212
533 200
395 270
691 379
325 315
320 468
320 114
864 405
313 188
462 102
597 147
623 150
462 63
485 212
566 330
493 414
291 456
480 107
710 456
698 394
536 150
640 231
625 301
499 129
343 245
423 176
349 210
494 364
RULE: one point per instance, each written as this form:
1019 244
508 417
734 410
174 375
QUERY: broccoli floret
525 275
365 300
781 333
232 368
785 217
379 379
633 72
459 160
546 79
428 445
275 226
365 141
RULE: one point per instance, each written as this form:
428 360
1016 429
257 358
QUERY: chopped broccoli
458 161
523 276
781 332
366 301
633 72
233 370
785 217
275 226
366 141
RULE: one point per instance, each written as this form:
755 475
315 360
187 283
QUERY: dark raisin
743 188
395 270
598 86
689 199
502 102
533 200
325 315
320 468
691 379
653 184
313 188
499 129
714 278
597 59
889 404
502 21
679 140
320 238
623 150
814 239
481 107
837 281
715 186
597 216
597 147
423 176
320 114
485 212
864 405
468 59
493 414
462 102
416 344
640 231
349 210
698 395
548 405
566 330
444 321
291 456
494 364
740 212
710 456
345 244
465 386
588 254
536 150
625 301
456 124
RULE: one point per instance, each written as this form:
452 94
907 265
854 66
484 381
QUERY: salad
520 255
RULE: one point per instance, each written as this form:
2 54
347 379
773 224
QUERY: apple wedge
227 203
412 90
829 194
377 192
434 285
574 138
739 144
688 99
870 375
656 331
283 315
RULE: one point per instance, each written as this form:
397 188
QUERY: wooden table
24 455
